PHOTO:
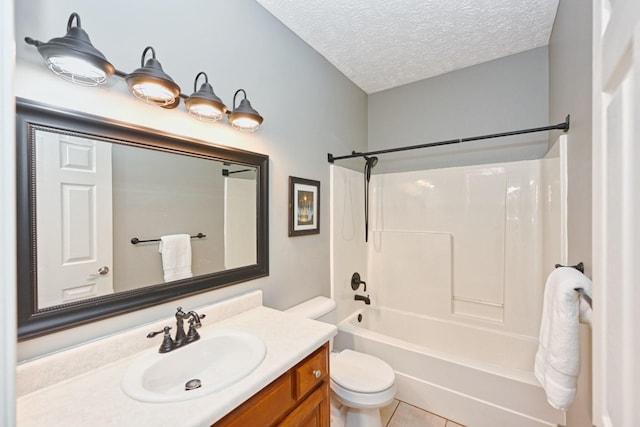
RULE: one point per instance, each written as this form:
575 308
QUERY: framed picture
304 206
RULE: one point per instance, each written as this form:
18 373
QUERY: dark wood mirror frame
34 322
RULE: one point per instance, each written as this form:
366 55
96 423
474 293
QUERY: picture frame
304 206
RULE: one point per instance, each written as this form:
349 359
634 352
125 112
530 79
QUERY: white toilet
361 383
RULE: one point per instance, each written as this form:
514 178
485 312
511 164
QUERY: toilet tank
318 308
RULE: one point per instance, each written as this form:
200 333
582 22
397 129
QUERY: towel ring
580 267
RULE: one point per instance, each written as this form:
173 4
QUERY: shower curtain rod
564 126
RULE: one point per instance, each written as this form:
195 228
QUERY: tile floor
401 414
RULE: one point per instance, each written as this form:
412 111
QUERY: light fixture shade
244 117
204 104
73 57
151 84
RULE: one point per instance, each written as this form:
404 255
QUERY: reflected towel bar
580 267
135 240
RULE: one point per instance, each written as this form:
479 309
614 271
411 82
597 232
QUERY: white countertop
95 397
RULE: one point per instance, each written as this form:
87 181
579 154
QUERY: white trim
7 219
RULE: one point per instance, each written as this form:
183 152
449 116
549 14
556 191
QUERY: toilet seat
360 372
360 380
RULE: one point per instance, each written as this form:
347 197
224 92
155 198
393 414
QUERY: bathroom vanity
299 397
290 387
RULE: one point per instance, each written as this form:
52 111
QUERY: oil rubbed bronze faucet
366 299
182 338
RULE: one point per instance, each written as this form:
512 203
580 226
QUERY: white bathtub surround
348 248
553 191
455 263
460 242
78 396
558 358
470 243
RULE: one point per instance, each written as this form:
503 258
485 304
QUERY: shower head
371 162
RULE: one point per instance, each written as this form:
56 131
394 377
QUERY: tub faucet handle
355 282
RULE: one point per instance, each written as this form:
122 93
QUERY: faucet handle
355 282
192 334
166 330
167 342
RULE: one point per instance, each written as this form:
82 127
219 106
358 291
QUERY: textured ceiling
381 44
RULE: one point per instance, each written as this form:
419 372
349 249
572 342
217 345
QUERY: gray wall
570 90
501 95
309 108
157 193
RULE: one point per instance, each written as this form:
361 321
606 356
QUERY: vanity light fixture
151 84
204 104
73 57
244 117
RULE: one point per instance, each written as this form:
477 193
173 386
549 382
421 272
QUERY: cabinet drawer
311 372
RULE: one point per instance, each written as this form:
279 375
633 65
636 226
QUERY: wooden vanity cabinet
298 398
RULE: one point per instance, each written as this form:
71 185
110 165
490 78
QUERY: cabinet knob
317 373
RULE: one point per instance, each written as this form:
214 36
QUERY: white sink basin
217 360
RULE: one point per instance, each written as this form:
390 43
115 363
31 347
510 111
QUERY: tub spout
366 299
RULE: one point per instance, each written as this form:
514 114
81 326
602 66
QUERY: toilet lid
361 372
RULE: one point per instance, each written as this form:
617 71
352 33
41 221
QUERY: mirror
115 217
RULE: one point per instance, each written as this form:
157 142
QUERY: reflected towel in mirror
176 256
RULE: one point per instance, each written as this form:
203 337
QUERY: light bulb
153 93
245 124
77 70
205 112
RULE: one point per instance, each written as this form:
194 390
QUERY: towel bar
135 240
580 267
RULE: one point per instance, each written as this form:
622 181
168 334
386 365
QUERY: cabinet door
312 412
265 408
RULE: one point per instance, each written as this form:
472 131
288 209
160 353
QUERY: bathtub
474 375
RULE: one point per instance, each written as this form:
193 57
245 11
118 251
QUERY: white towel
557 361
585 310
176 256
